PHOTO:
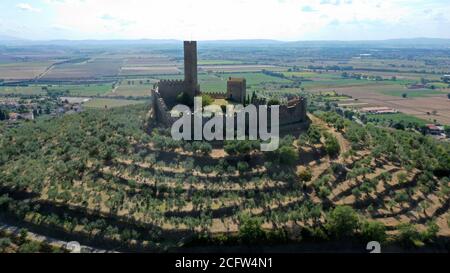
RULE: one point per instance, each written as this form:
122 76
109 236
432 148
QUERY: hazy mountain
9 38
431 43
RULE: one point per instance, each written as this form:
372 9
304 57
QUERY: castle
166 94
170 89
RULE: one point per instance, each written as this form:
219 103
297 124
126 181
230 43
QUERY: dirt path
343 143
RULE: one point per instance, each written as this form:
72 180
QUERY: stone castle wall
292 115
169 89
160 109
294 112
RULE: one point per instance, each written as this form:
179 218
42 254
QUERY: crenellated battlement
215 95
170 82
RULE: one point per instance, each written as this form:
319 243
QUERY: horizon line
17 39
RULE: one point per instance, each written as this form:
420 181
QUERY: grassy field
22 90
94 68
311 75
111 103
338 83
399 91
87 90
83 90
218 62
397 118
22 70
439 84
138 90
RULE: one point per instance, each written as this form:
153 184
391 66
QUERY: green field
338 83
218 62
72 90
22 90
396 118
439 84
111 103
139 88
311 75
82 90
412 93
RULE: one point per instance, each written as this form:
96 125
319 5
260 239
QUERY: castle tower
237 89
190 68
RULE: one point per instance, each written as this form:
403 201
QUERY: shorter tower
237 89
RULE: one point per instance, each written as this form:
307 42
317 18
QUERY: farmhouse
21 116
435 130
417 86
446 78
378 110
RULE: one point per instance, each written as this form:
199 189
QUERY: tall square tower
190 68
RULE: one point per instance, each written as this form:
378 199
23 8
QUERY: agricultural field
104 103
411 93
339 83
421 103
313 75
238 68
218 62
87 90
22 70
146 64
91 68
22 90
133 88
395 118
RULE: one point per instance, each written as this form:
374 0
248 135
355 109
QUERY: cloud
308 9
27 7
118 20
251 19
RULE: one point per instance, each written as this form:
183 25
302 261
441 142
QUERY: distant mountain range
434 43
4 38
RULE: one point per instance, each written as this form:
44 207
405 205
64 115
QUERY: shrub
207 100
250 230
314 134
288 155
305 175
342 222
30 247
242 166
4 243
332 146
373 231
408 235
184 98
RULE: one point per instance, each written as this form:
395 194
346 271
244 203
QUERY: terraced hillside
106 178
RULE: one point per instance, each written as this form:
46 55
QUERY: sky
287 20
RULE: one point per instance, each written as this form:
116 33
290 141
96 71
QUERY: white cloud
27 7
246 19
